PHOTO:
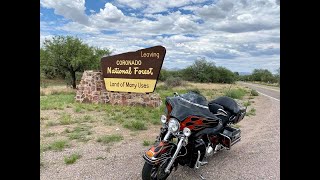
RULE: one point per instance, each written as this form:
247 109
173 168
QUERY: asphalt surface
264 90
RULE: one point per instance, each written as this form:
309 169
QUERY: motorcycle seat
224 103
211 131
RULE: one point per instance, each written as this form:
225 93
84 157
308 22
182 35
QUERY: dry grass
56 90
209 86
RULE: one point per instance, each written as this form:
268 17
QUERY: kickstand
202 177
200 174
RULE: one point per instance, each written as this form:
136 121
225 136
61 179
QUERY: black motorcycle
192 130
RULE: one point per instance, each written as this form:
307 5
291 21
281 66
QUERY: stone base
92 90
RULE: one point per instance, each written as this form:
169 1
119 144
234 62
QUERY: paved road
264 90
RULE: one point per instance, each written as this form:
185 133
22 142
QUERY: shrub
72 158
174 82
254 93
235 93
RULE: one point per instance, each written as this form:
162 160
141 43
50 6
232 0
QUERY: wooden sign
133 71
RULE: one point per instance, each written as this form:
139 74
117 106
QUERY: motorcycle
192 130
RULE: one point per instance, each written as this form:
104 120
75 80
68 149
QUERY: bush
236 93
174 82
254 93
204 71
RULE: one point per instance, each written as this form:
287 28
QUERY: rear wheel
150 172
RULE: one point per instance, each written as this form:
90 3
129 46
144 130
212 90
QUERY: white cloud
74 10
240 35
155 6
132 3
110 13
79 28
92 11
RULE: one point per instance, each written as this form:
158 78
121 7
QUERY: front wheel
150 172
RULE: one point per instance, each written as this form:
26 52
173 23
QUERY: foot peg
203 163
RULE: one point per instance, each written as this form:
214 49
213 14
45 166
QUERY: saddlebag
230 136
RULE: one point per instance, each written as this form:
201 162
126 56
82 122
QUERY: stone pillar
92 90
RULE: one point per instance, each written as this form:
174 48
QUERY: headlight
186 131
174 125
163 119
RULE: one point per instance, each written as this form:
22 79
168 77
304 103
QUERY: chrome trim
166 136
232 142
237 140
228 138
199 105
167 170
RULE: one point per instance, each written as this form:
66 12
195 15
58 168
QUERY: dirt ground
256 156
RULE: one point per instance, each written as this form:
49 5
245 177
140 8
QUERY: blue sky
240 35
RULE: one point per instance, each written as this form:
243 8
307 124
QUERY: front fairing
189 104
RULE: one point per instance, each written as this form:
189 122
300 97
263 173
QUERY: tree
67 55
278 76
200 71
263 75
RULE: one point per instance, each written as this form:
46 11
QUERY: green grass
78 109
247 103
59 101
49 134
133 118
65 119
57 145
52 123
110 138
254 92
87 118
251 112
79 133
135 125
146 143
72 158
236 93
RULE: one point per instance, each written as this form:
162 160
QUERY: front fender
159 152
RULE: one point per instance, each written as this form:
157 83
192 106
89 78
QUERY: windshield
195 98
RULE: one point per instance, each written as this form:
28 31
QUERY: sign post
136 72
